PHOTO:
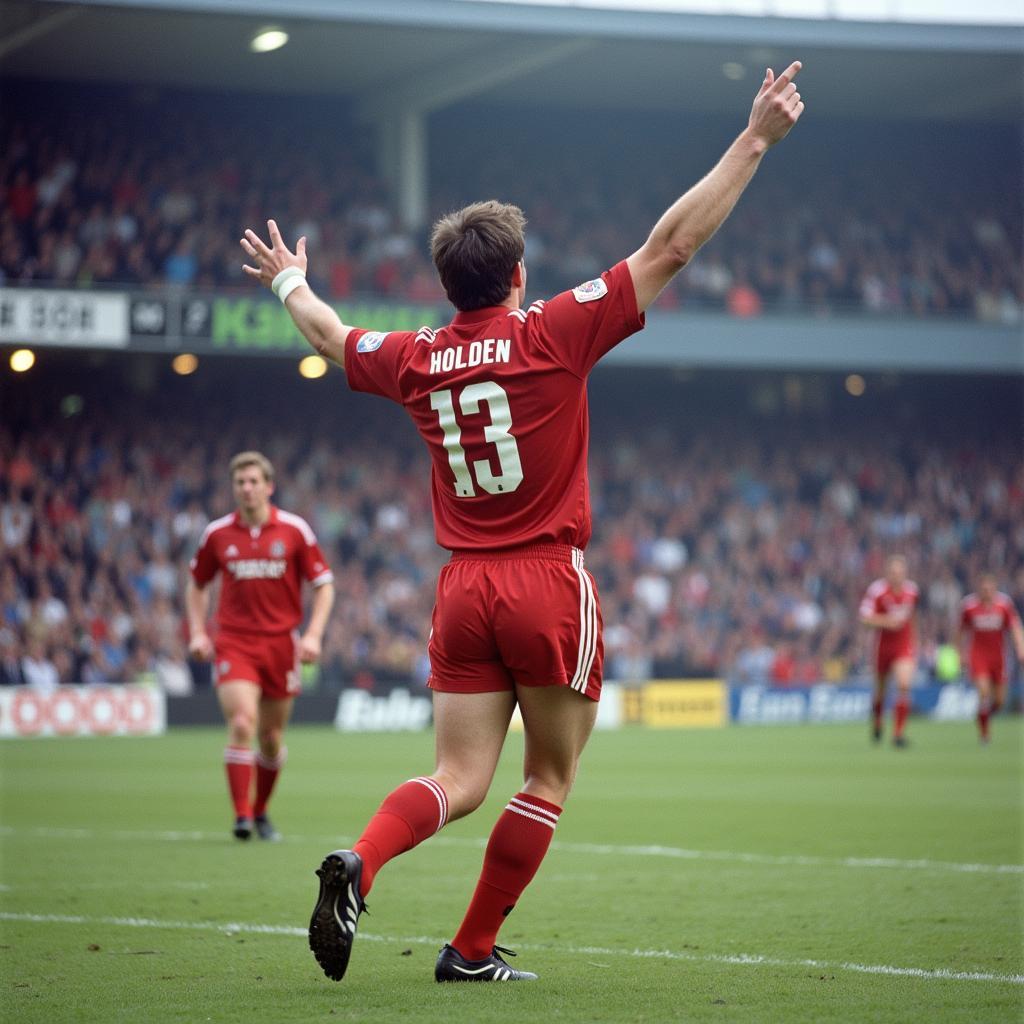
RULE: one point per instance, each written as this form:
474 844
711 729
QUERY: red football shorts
271 661
524 617
886 658
989 667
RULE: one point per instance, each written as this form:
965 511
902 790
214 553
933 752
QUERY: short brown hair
475 250
245 459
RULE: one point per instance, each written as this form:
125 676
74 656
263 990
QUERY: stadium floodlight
22 359
184 364
312 367
855 385
733 70
268 39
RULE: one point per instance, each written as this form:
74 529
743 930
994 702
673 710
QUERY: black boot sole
332 929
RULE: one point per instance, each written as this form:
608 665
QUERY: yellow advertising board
675 704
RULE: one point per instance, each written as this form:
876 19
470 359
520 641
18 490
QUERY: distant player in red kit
263 555
987 617
500 399
889 606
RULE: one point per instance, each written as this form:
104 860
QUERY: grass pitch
760 874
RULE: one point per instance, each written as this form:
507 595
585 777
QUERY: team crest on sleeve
590 290
370 342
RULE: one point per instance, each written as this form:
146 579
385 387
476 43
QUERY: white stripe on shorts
588 626
442 800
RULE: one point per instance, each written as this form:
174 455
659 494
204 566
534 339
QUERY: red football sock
899 716
984 712
410 814
876 712
514 853
267 771
238 763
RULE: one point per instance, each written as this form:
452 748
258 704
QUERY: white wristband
287 281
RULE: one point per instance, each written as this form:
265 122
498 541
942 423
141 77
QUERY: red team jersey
988 625
881 599
500 398
262 568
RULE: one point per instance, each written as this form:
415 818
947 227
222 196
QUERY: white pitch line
737 959
800 860
596 849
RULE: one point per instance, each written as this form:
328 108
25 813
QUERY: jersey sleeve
869 602
314 565
204 564
579 326
374 360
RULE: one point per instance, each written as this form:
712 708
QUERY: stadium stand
161 199
735 540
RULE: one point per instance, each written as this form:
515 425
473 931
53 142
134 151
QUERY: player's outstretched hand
271 260
777 106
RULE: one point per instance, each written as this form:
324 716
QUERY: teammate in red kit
499 397
263 554
988 616
889 606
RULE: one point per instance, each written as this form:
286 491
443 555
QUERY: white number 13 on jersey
496 433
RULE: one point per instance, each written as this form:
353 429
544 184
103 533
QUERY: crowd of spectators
156 191
721 547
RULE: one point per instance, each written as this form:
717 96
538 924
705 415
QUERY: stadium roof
438 52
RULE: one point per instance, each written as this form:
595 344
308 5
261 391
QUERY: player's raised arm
698 214
284 273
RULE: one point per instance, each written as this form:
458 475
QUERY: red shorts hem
238 677
445 686
884 662
994 671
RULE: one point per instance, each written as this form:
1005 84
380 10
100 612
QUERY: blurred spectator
37 669
10 659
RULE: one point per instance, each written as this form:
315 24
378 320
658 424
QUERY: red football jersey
500 398
881 599
988 624
263 568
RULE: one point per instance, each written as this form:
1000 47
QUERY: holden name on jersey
476 353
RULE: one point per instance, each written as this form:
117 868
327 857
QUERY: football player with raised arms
499 397
263 555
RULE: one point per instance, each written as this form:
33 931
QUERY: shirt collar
479 316
271 519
